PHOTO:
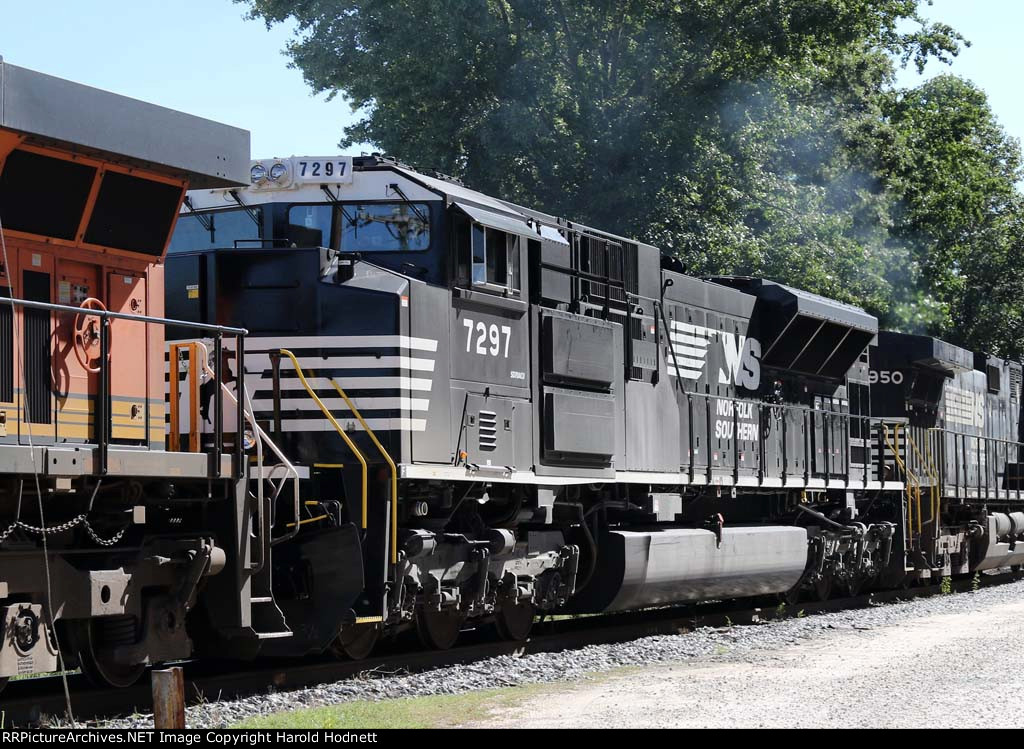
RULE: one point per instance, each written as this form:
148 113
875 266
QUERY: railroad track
35 701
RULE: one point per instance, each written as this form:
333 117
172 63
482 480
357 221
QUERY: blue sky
200 56
994 29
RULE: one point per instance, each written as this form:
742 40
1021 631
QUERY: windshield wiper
253 213
205 219
403 196
336 202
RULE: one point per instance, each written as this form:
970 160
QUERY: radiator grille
37 349
488 430
6 353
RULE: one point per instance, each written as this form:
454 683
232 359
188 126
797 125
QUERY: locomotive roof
293 188
54 111
803 302
459 193
927 351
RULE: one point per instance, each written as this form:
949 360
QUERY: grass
445 711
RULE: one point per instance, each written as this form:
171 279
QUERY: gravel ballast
746 644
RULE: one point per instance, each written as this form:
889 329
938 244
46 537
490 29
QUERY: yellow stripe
308 520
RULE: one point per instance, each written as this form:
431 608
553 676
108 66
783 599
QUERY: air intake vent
488 430
36 336
6 353
1015 383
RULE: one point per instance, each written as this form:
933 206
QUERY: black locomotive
380 401
493 412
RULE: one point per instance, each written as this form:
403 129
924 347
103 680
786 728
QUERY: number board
489 345
336 169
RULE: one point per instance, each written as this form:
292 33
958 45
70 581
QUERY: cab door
489 342
73 385
129 370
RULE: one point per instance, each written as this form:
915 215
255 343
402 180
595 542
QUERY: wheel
356 641
514 621
438 629
822 587
94 641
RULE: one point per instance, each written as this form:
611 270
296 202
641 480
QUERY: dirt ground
951 670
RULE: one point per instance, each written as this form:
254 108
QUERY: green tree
955 172
753 136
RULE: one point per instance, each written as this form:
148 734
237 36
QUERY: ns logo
742 361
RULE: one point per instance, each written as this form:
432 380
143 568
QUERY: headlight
277 171
258 173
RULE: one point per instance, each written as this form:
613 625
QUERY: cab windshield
361 227
234 227
385 227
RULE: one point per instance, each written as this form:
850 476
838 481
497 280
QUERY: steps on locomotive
267 620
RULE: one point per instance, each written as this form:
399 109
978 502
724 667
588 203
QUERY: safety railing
86 336
353 448
976 460
261 439
809 444
391 464
934 490
337 427
912 487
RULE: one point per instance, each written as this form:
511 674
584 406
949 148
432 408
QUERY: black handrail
103 427
107 314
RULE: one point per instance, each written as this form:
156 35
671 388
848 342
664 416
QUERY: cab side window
495 259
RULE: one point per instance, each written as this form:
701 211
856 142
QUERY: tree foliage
743 136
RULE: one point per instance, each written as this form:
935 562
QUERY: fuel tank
1005 541
642 568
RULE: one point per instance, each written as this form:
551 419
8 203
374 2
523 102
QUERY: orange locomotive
90 188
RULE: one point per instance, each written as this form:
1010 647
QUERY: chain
101 542
8 532
54 530
50 531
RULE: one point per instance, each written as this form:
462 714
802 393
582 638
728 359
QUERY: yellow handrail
391 463
933 437
933 475
931 500
911 479
334 422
